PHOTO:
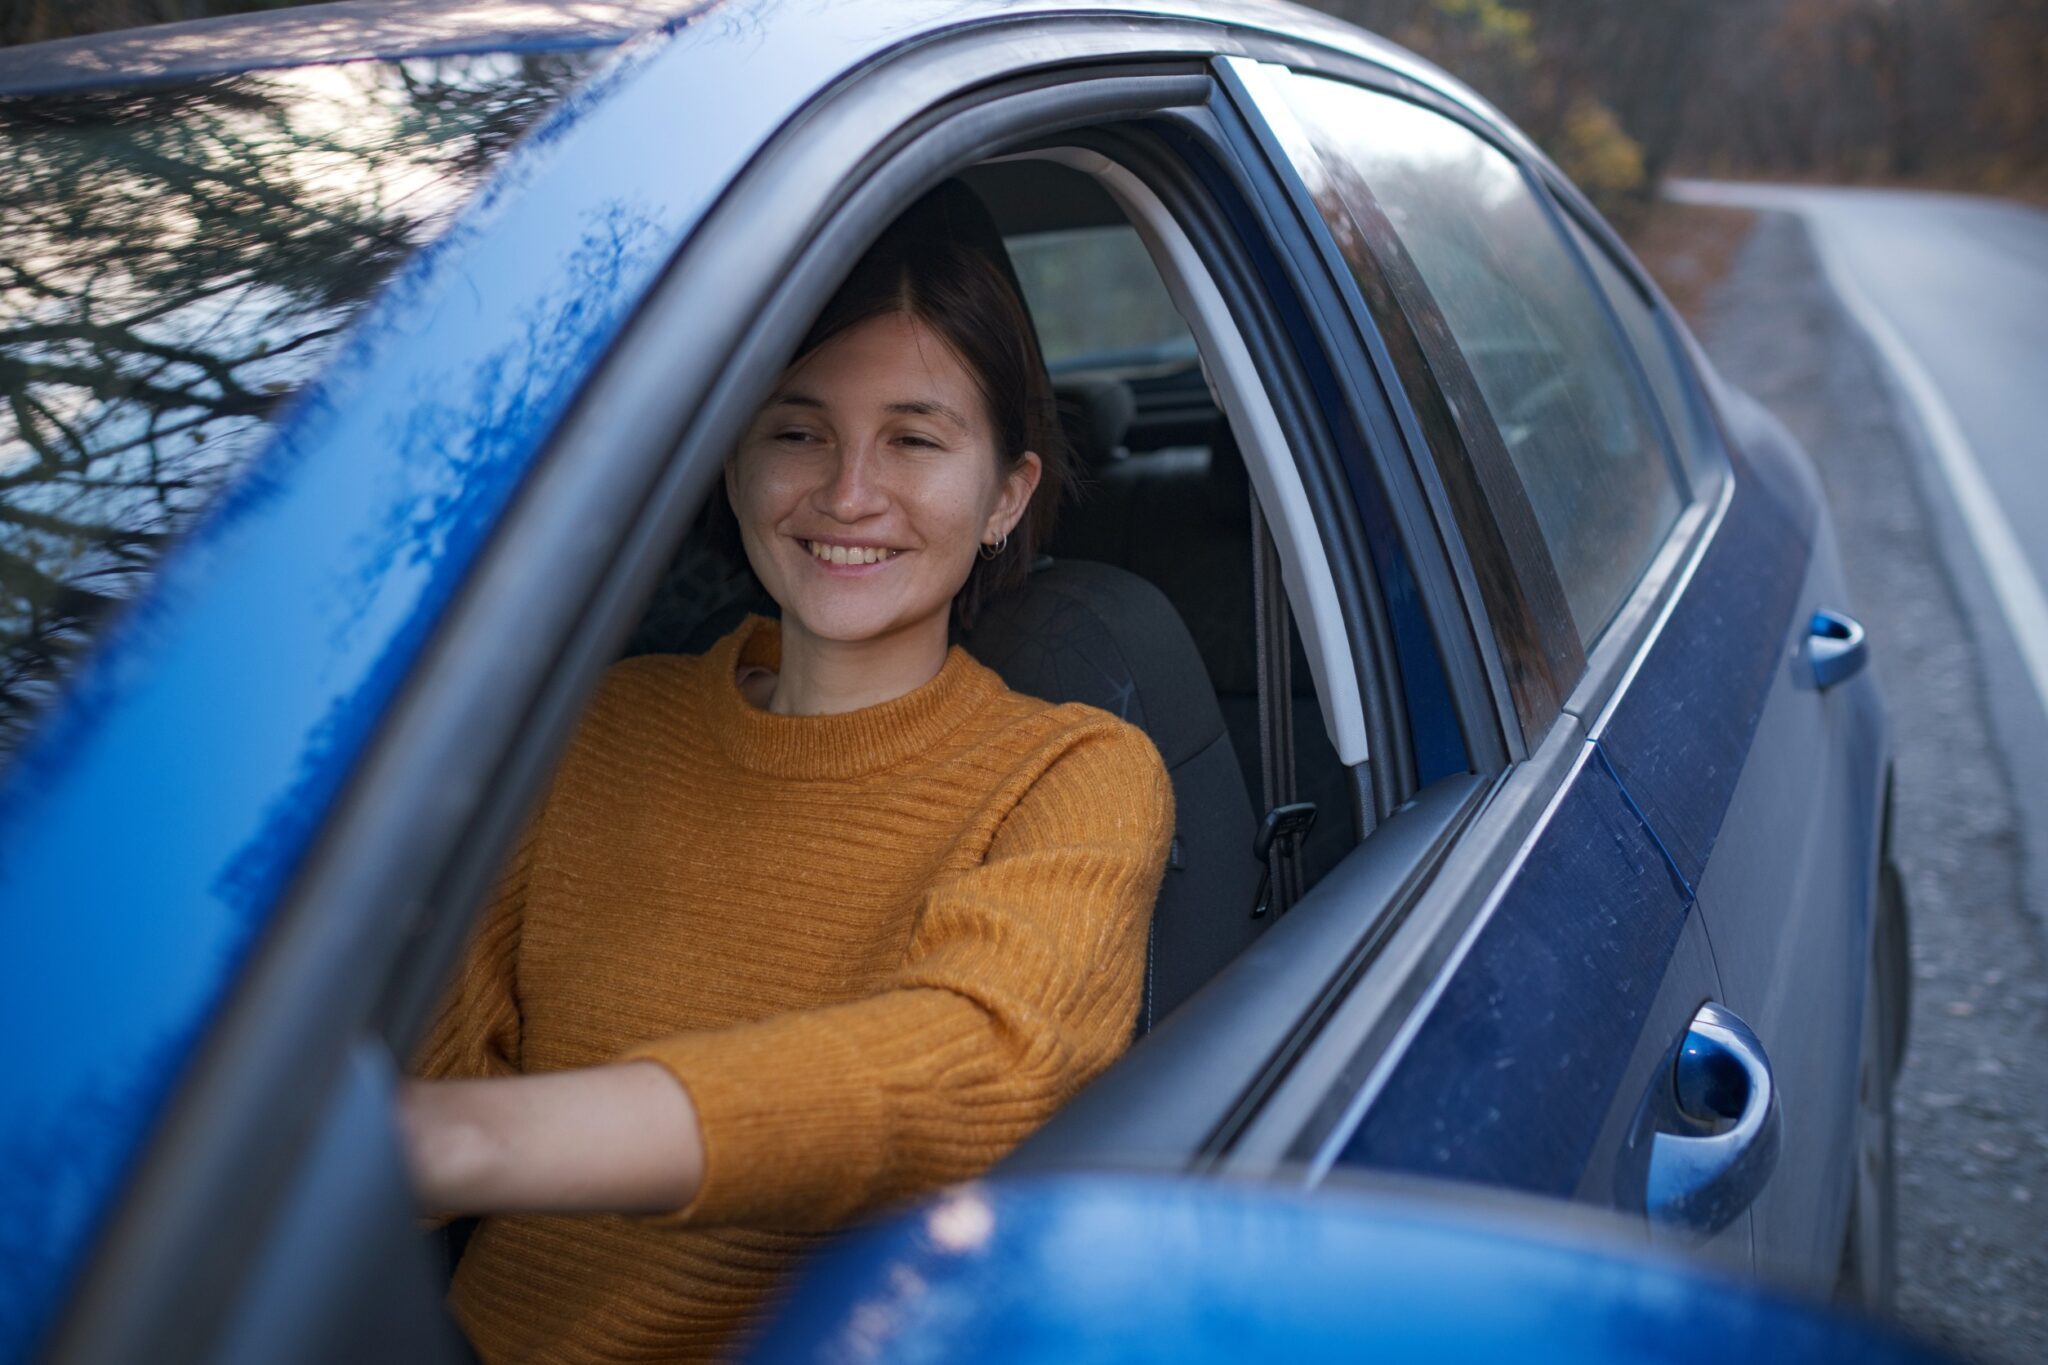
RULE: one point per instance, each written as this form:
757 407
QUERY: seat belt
1287 820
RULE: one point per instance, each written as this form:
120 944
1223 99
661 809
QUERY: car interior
1160 584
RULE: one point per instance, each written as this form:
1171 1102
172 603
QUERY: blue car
368 370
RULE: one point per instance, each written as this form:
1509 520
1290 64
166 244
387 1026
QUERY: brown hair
969 300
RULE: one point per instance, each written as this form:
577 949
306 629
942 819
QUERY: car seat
1077 631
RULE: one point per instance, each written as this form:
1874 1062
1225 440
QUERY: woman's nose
854 490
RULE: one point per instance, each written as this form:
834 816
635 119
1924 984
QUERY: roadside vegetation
1948 93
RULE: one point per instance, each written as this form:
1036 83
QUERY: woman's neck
821 677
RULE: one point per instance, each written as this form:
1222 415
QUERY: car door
1755 739
1521 1026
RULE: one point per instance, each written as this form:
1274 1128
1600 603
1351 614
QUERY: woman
824 917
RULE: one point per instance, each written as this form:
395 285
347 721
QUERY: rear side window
177 261
1547 358
1634 310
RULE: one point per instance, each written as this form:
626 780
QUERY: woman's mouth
849 556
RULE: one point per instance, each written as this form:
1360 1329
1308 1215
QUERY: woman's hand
604 1139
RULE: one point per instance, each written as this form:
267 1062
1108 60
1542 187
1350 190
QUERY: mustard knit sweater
878 949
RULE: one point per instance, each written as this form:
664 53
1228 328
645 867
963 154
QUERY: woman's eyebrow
919 407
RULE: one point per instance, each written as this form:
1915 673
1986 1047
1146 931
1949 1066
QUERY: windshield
175 262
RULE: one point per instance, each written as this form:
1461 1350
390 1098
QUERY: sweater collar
850 744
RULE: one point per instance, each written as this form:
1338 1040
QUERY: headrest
1096 414
1093 633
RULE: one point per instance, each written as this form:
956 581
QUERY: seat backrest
1085 632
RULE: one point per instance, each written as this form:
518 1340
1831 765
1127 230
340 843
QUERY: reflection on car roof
342 31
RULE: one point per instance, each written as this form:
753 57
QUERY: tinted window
177 260
1545 354
1636 315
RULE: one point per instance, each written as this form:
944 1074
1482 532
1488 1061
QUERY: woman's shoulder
1043 733
633 682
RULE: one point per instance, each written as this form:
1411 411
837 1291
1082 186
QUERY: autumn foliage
1622 92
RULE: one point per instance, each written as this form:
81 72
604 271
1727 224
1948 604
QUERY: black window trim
1479 499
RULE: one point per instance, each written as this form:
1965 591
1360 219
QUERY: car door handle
1835 647
1714 1142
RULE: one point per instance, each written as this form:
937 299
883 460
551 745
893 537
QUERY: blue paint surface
1515 1066
1136 1269
1679 736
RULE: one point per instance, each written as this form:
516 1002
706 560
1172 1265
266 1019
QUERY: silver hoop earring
995 550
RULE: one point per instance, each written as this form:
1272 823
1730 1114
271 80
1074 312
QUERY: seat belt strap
1280 887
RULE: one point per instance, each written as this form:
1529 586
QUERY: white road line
1998 549
2012 578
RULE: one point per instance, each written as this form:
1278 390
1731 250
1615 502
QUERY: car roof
345 30
353 30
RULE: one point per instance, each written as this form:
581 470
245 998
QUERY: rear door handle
1835 647
1712 1122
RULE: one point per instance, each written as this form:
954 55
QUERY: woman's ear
1015 495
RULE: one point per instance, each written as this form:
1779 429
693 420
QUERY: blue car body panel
1679 733
1132 1269
1548 1000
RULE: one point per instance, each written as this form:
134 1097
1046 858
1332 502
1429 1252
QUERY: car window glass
178 259
1659 363
1097 299
1546 356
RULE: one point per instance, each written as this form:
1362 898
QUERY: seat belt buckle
1284 827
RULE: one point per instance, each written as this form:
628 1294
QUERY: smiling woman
824 917
882 482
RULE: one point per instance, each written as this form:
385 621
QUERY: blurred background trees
1623 92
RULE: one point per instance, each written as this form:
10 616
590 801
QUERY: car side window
1546 357
1640 321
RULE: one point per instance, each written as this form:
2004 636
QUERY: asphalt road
1951 293
1972 1107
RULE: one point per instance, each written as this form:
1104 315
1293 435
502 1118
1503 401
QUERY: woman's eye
924 442
794 437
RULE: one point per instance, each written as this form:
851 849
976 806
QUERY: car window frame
1639 620
565 571
1481 843
1482 509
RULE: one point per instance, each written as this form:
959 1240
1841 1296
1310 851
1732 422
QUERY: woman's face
866 485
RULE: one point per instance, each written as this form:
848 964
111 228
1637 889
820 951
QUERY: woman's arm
1020 984
604 1139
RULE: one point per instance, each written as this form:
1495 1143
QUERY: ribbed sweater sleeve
478 1032
1021 983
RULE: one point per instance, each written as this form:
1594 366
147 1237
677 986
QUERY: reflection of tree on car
177 261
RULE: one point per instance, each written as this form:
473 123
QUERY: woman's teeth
848 554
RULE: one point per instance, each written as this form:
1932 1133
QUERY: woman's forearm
605 1139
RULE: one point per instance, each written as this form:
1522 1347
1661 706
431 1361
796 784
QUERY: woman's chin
850 623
